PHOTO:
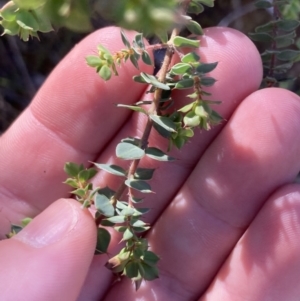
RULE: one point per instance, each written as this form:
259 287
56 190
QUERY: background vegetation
25 66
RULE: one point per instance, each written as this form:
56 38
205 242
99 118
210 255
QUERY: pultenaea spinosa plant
121 207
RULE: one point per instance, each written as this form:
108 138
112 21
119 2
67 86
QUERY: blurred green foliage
26 65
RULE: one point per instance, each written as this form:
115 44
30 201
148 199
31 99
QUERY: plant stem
276 16
153 110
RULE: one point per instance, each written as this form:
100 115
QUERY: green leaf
285 40
263 4
105 72
261 37
29 4
71 182
107 192
43 20
205 68
139 223
141 229
209 3
157 154
187 107
8 11
268 27
103 240
103 51
134 141
191 57
163 36
191 119
149 272
10 28
106 223
139 40
288 25
146 58
113 169
117 219
26 20
181 68
284 67
141 211
133 108
162 131
150 258
215 117
143 174
121 205
73 169
285 25
134 61
185 42
150 79
194 27
128 151
164 122
25 221
120 229
128 211
139 185
195 8
79 192
131 269
14 229
185 83
87 174
136 200
104 205
288 55
139 79
200 111
127 235
207 81
125 39
94 61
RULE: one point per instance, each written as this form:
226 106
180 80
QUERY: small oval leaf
191 57
185 42
194 27
128 151
113 169
164 122
139 185
157 154
105 72
133 108
181 68
205 68
103 240
185 83
144 173
104 206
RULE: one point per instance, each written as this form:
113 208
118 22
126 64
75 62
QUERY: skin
226 213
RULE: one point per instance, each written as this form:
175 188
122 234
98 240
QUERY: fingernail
50 226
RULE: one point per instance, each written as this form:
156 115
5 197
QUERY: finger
238 171
49 259
239 54
265 264
71 118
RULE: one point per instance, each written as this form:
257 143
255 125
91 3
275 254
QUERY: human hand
230 181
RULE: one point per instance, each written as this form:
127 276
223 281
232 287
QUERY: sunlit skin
225 215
